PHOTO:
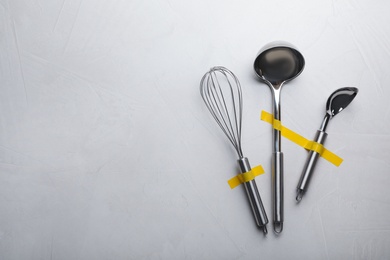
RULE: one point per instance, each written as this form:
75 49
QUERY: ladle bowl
277 63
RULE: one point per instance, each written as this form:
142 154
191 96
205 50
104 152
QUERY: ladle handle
310 165
277 186
254 197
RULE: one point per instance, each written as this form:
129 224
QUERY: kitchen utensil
221 92
336 103
276 64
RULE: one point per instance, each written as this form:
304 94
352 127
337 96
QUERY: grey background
108 152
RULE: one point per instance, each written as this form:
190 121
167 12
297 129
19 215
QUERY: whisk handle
254 197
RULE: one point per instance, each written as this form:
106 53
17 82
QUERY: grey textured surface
108 152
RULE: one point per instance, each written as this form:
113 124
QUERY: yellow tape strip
300 140
245 177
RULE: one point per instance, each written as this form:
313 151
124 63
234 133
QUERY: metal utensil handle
277 166
310 164
254 196
277 185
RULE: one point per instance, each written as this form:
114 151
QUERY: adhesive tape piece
316 147
331 157
300 140
245 177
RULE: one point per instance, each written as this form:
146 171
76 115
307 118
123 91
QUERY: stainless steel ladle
336 103
277 63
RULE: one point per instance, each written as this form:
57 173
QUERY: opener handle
309 166
254 197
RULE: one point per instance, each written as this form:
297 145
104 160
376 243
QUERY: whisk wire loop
221 91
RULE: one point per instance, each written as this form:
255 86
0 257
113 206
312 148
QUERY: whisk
221 91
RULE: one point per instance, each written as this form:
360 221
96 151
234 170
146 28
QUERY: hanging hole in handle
265 231
278 227
299 195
